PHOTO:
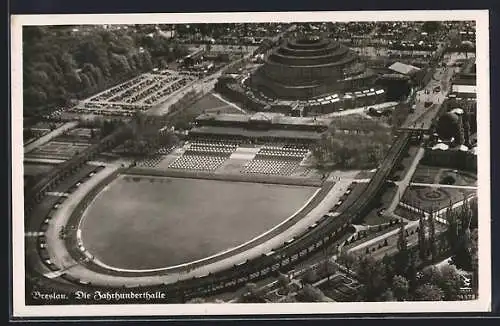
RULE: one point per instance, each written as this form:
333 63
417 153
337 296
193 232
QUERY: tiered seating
271 166
151 162
221 148
290 152
198 162
276 160
204 155
165 150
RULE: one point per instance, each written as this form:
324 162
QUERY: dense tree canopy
353 142
431 27
64 63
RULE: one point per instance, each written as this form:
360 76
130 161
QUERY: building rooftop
272 133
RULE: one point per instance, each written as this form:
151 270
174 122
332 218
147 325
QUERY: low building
259 128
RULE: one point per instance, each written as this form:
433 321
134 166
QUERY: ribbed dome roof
310 52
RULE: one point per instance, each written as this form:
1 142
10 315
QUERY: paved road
56 246
442 79
53 134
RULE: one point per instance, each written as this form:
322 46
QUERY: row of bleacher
270 166
283 152
150 162
276 160
223 149
213 141
205 155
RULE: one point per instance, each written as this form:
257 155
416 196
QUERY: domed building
305 76
310 67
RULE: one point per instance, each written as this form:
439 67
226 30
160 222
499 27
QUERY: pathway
56 246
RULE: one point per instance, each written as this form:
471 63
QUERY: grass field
208 104
153 222
212 104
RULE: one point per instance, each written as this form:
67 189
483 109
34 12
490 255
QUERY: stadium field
140 222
